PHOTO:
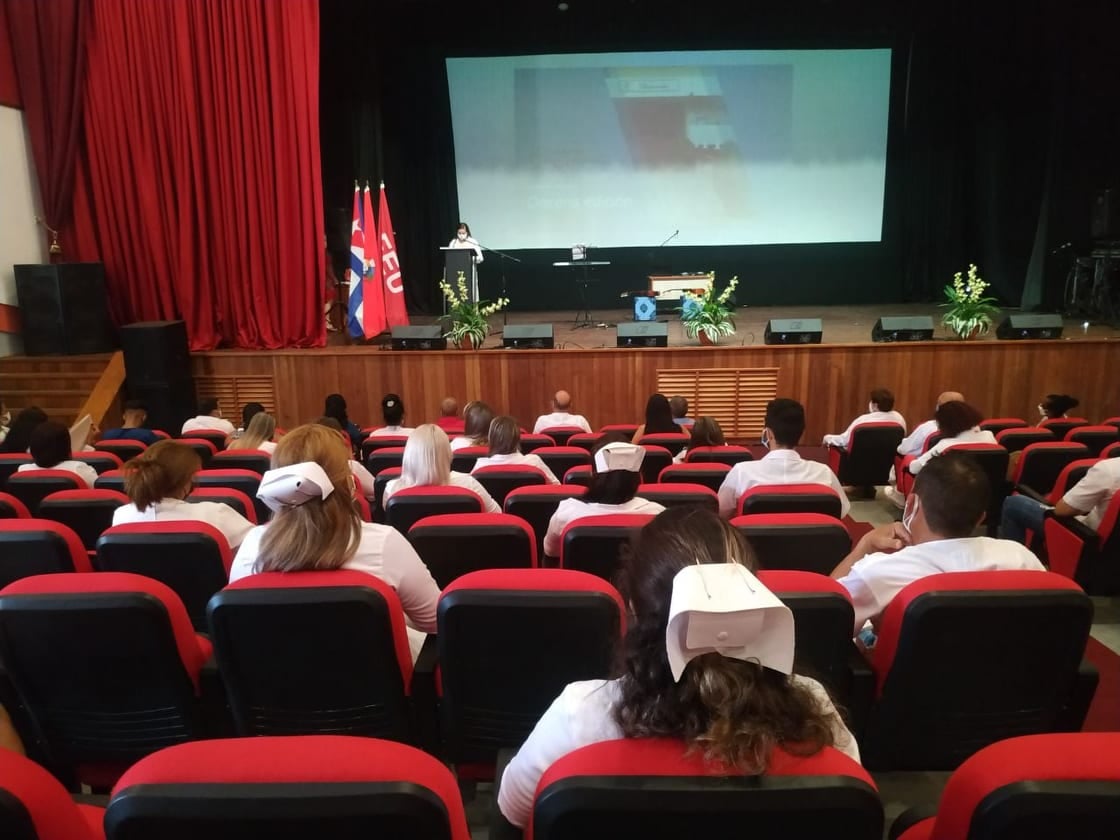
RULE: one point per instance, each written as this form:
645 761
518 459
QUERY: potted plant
468 320
706 315
968 313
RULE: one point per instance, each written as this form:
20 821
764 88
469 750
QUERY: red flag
395 310
373 298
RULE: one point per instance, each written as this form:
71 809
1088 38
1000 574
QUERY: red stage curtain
199 186
48 53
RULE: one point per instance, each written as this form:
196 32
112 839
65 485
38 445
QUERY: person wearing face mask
949 501
785 424
880 409
464 239
915 442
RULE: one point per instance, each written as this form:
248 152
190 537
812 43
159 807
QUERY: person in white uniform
880 409
50 450
477 417
707 659
427 462
209 419
1087 500
392 411
257 436
958 423
785 424
464 239
616 473
949 501
316 527
158 482
505 448
561 415
915 442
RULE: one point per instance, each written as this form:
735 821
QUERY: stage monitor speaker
644 334
63 309
1030 326
903 328
156 353
427 337
793 331
1105 223
169 406
528 337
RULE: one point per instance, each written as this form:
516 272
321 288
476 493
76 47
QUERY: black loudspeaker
63 309
643 334
428 337
793 331
157 363
528 336
909 328
1030 326
1106 208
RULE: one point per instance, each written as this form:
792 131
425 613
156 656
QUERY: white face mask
872 408
909 514
765 440
462 236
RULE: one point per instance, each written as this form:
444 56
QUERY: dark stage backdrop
1003 123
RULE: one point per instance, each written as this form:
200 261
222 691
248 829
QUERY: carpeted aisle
1104 713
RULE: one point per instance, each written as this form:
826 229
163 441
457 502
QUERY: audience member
1087 500
679 406
258 435
505 448
477 417
18 438
659 418
880 409
449 419
248 412
427 462
678 677
5 421
392 411
158 482
785 424
616 473
561 415
335 406
362 477
316 527
50 449
132 426
209 419
915 442
1054 406
958 422
704 432
949 501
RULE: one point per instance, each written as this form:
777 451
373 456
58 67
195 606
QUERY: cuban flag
357 269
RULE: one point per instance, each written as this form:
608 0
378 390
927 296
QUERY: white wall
21 240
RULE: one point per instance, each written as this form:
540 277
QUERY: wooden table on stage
668 287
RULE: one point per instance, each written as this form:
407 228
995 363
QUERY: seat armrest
1079 528
1031 493
215 715
500 827
910 818
862 695
425 697
1072 715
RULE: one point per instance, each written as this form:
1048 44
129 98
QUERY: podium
461 259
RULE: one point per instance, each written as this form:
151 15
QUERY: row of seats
339 787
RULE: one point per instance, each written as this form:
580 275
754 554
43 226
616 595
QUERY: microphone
670 239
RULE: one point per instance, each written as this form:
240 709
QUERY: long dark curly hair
735 712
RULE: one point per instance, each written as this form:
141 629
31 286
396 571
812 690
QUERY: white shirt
461 442
845 438
364 479
469 242
780 466
231 523
876 579
518 458
208 422
384 553
569 510
583 714
458 479
560 418
391 431
80 468
973 435
915 442
1094 492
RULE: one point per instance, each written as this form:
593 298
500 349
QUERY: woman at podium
461 240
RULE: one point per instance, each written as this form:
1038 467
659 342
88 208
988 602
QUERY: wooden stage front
610 385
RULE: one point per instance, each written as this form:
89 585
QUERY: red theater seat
500 479
459 543
87 512
463 460
674 494
313 653
729 455
627 429
1017 439
657 458
585 440
110 480
531 442
217 438
373 444
707 473
35 806
12 508
385 458
381 479
790 498
560 435
1041 463
1111 451
593 544
1091 558
39 547
536 505
656 787
236 499
965 659
330 787
33 486
995 425
407 507
1061 426
255 461
10 463
247 481
993 460
672 441
579 476
869 456
126 450
205 449
1094 437
808 542
560 459
100 461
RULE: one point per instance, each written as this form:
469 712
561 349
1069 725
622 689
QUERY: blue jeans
1020 514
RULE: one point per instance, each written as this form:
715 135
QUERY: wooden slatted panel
232 392
735 397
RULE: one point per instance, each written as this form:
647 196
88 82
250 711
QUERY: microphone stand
670 239
502 257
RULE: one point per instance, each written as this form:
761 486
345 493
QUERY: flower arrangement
467 319
969 312
706 315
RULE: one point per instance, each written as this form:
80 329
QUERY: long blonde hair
260 430
320 534
164 470
427 458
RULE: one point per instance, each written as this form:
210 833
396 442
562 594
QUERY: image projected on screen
622 149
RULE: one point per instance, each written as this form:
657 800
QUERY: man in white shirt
209 418
879 410
915 442
561 415
1088 500
948 503
785 423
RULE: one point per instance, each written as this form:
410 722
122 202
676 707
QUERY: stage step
59 385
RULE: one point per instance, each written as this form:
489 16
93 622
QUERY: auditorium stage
732 381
